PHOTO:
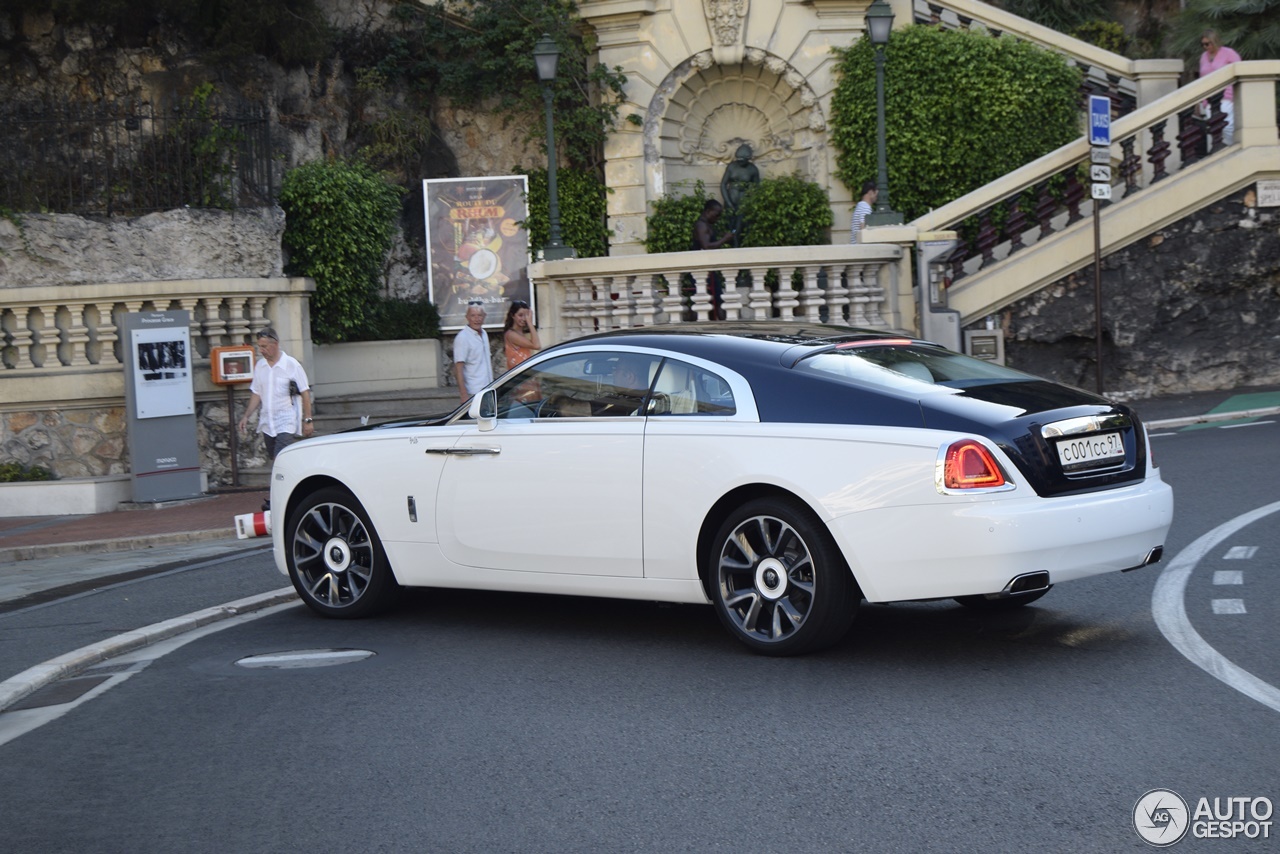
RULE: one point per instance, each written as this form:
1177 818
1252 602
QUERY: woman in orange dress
519 334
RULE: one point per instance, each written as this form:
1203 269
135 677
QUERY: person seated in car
630 383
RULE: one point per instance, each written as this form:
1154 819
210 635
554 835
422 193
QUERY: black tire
335 559
995 602
778 582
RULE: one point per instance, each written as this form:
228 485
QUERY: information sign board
1099 120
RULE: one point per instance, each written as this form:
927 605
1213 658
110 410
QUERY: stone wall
1194 307
93 441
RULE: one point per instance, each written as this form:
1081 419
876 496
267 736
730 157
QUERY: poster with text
477 251
162 372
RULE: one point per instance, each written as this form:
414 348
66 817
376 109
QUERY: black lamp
546 55
879 25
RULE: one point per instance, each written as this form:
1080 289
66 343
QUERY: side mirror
484 410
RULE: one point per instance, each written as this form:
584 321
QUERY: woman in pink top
519 334
1216 56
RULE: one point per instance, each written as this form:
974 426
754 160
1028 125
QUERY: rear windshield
908 366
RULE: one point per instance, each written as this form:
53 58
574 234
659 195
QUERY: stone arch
703 111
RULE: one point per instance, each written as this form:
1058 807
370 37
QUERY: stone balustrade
853 285
62 343
1047 203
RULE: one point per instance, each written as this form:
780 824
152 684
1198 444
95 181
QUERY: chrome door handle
466 452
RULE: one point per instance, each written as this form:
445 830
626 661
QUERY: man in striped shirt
860 211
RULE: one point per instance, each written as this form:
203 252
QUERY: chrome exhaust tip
1027 582
1153 556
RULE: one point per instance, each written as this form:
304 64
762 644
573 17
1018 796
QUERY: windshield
908 366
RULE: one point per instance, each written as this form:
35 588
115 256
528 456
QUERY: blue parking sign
1099 120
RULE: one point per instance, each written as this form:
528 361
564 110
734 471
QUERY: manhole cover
305 658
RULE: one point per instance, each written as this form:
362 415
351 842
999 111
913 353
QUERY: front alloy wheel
780 584
335 560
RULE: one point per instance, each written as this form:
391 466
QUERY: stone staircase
342 412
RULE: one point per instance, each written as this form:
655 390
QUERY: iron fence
133 158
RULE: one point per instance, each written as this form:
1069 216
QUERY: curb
34 678
1213 417
13 554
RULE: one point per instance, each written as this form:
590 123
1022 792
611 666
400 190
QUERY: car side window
583 385
684 389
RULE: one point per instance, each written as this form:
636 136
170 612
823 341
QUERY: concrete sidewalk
40 555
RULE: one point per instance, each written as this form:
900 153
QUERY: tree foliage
289 31
479 50
340 220
962 109
1061 15
1251 27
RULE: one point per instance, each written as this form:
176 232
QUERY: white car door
556 486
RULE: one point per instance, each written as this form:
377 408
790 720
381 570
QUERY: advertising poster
162 372
476 249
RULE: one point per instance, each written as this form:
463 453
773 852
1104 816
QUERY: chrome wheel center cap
771 578
337 555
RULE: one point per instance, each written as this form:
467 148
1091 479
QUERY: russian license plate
1086 452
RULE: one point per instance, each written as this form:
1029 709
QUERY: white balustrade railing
50 332
854 285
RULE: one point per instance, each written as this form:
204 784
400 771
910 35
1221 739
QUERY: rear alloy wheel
780 585
996 602
335 559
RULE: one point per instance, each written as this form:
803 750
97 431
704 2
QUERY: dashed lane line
1168 607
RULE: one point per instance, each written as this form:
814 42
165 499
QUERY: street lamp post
879 25
545 56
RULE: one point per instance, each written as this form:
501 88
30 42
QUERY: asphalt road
496 722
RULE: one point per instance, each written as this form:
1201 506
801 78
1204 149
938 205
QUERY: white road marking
1250 424
1228 606
1228 576
141 645
305 658
1168 607
1240 553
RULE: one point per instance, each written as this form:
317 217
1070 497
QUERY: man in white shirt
276 377
472 362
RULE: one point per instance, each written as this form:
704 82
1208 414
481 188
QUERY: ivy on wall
581 197
961 109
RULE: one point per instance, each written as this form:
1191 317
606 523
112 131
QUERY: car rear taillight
969 465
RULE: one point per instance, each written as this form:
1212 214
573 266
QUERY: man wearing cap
277 380
472 362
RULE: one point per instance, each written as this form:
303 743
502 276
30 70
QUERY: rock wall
64 249
1193 307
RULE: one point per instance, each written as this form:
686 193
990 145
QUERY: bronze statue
739 176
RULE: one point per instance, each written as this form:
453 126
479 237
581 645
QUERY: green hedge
782 211
962 109
340 220
786 211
